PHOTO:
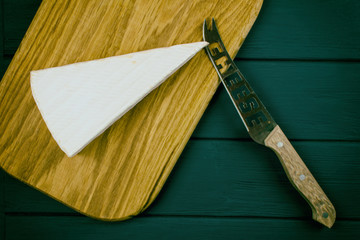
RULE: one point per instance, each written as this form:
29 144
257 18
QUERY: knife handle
300 177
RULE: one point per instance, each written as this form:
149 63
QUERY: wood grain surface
122 171
170 228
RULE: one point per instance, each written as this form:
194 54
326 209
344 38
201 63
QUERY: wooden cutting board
122 171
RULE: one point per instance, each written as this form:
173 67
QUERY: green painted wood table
303 60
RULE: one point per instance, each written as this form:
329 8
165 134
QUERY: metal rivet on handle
280 144
302 177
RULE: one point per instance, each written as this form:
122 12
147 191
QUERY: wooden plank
2 205
2 173
309 100
17 18
23 227
234 178
1 29
305 30
4 63
285 29
120 173
332 87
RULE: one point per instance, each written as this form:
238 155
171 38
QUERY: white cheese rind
80 101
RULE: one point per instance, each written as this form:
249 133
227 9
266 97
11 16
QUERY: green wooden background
303 60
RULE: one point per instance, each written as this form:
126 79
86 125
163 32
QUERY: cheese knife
263 129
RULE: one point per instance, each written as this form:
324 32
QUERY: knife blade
263 129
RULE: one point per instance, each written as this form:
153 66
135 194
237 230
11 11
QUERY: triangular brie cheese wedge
80 101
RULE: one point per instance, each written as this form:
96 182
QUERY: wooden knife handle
300 177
